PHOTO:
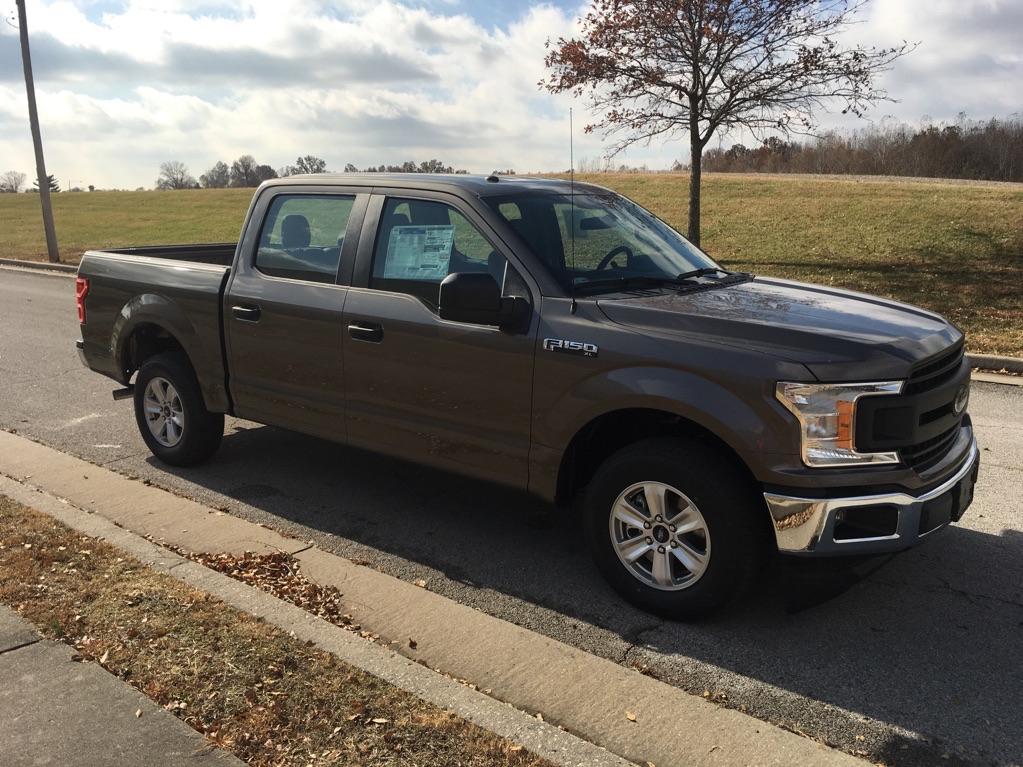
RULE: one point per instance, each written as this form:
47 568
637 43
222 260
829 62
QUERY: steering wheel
606 260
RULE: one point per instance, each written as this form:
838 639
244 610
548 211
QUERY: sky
124 85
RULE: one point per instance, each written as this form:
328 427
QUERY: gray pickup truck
560 339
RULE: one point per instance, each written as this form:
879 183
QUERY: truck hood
837 334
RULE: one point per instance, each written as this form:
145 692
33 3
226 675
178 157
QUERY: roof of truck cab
443 182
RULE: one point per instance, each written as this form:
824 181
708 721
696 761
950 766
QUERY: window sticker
419 252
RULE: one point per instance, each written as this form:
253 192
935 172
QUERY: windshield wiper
627 282
705 271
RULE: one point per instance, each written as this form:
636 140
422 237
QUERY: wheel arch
611 431
151 324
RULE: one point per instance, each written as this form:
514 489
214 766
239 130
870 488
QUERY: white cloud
371 81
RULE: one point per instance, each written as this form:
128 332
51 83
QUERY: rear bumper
893 521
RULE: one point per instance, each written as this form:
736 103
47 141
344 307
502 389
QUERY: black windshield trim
683 283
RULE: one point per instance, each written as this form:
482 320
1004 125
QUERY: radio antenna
571 187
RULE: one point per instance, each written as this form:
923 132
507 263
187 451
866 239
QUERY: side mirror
476 297
470 297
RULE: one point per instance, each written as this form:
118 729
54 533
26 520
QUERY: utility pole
33 118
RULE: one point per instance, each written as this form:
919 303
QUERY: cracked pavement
908 659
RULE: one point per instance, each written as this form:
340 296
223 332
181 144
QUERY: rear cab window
302 236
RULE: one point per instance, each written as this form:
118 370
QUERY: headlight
827 418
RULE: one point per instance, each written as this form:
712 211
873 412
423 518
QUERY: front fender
720 410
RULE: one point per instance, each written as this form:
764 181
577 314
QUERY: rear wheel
674 526
171 414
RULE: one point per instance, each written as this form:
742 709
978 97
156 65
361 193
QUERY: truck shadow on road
928 642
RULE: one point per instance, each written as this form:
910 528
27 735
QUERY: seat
295 232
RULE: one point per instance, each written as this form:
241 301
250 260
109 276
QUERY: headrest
295 231
429 213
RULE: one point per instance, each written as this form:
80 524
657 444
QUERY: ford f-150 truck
559 338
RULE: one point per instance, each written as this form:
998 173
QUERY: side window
302 236
419 243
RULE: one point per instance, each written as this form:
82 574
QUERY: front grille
926 454
934 372
920 423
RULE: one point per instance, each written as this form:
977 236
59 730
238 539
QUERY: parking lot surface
908 659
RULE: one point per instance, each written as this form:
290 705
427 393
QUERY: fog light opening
858 522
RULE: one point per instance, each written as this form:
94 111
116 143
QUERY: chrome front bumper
808 525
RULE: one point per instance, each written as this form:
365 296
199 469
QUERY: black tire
202 431
734 514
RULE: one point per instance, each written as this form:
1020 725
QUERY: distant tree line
991 150
246 172
12 182
409 166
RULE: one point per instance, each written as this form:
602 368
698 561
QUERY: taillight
81 291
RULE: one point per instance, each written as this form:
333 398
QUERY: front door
450 394
283 310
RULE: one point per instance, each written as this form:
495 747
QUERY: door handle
366 332
246 313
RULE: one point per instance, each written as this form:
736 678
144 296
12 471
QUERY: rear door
283 308
450 394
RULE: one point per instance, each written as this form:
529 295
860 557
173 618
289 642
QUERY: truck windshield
602 242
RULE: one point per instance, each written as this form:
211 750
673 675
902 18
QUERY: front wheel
674 526
171 414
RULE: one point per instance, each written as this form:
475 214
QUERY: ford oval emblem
962 397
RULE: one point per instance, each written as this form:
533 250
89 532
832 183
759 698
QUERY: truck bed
178 288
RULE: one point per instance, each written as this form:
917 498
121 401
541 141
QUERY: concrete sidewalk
56 711
602 703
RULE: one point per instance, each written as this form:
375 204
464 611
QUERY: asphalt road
915 659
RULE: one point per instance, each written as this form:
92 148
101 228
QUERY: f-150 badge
571 347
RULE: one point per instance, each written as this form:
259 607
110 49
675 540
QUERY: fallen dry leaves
279 574
250 688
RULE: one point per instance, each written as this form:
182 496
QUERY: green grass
90 220
955 248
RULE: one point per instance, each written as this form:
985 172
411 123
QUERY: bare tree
174 175
243 171
264 172
661 68
12 181
216 177
307 164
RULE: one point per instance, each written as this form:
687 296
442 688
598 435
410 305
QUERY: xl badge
962 397
570 347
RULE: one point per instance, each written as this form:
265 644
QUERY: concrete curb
1003 379
996 362
45 266
539 737
589 696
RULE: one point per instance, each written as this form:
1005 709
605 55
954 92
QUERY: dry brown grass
245 685
956 248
